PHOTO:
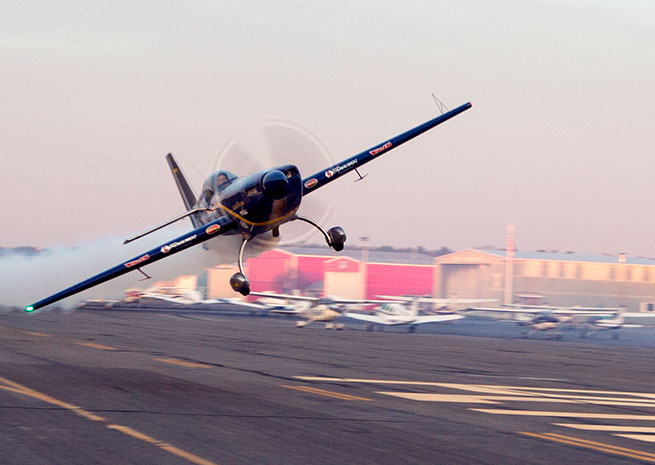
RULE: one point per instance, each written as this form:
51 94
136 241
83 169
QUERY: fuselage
259 202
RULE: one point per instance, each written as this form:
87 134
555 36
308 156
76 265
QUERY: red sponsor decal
213 229
137 261
329 173
380 149
311 183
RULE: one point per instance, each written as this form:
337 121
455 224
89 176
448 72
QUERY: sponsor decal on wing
171 246
380 149
340 168
137 261
214 228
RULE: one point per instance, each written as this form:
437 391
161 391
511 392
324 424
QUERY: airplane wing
435 300
511 310
330 300
436 318
313 182
302 298
419 319
365 317
197 236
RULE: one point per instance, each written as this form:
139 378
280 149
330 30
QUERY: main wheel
240 284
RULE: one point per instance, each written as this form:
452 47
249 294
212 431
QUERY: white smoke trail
27 279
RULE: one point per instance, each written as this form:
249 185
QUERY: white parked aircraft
396 312
551 319
311 309
185 297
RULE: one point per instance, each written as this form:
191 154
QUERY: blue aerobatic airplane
246 207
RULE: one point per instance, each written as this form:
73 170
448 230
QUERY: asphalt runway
150 387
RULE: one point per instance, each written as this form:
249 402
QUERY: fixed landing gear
335 238
238 281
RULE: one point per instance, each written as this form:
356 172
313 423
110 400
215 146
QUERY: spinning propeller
278 143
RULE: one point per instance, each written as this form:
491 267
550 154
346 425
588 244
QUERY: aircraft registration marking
322 392
183 363
95 346
8 385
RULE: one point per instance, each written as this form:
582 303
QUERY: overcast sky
559 140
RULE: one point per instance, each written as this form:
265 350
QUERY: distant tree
441 251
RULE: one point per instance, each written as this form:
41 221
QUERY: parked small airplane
551 319
311 309
248 207
188 297
614 322
397 313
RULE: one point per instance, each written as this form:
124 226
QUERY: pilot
221 182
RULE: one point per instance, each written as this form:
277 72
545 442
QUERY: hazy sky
559 140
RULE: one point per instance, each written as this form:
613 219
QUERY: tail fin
188 197
414 308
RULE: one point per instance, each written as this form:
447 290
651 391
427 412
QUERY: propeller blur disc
277 143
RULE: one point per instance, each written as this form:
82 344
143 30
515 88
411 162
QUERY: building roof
571 257
358 254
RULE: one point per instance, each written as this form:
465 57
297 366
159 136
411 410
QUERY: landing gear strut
335 237
238 281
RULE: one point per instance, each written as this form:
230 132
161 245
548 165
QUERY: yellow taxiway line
12 386
623 451
182 363
35 333
95 346
322 392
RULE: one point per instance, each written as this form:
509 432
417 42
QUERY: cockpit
216 183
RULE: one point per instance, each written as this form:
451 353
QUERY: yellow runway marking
639 437
631 429
536 413
34 333
173 361
95 346
322 392
24 390
625 452
162 445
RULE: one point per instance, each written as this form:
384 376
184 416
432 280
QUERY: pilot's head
222 181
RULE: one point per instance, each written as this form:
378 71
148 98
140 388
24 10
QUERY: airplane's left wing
197 236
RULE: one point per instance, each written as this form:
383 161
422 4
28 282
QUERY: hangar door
345 284
463 281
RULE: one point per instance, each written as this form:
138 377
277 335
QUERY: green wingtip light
29 308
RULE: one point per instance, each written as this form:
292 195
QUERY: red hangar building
353 273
